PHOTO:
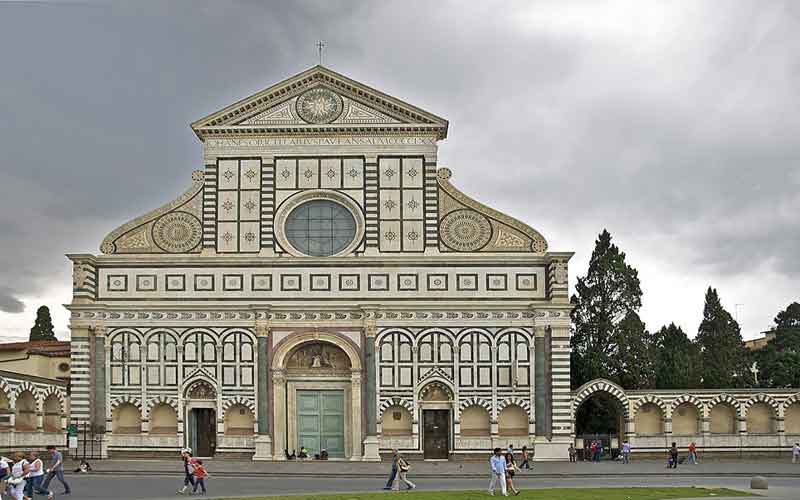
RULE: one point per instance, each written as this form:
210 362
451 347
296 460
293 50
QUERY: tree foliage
632 366
43 327
676 359
779 361
604 317
723 356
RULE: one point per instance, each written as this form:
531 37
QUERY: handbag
404 466
15 480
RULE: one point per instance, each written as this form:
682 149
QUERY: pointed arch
794 398
766 399
525 404
440 383
688 398
54 391
125 399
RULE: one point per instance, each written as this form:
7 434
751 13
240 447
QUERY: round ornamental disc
319 105
177 232
465 230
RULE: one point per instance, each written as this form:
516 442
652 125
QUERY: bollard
759 483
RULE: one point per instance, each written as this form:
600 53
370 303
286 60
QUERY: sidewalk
240 468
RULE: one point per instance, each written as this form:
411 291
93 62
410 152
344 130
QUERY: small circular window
320 228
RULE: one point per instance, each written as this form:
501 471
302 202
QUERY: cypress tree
723 355
43 327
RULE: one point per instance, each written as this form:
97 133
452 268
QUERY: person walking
200 475
673 456
593 450
572 452
402 470
393 471
5 474
188 470
626 452
796 453
692 458
56 470
526 464
35 477
19 471
497 465
511 468
599 450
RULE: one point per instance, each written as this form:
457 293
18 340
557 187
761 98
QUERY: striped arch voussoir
650 399
794 398
53 391
486 405
600 385
726 399
395 401
763 398
5 387
687 398
525 404
126 399
238 400
161 400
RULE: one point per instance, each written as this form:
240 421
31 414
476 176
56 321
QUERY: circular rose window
320 228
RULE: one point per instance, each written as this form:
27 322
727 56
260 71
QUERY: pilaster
370 400
264 440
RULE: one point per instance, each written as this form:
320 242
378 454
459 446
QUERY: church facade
324 284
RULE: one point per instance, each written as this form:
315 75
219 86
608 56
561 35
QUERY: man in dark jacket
393 472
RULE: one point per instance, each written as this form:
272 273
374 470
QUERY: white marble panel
413 236
390 204
353 172
413 204
227 205
389 172
228 174
308 173
390 236
249 236
227 236
413 172
285 174
250 174
331 169
249 205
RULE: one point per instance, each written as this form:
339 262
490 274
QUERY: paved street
163 486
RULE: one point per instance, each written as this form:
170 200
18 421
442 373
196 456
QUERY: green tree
676 359
632 366
43 327
607 295
779 361
725 360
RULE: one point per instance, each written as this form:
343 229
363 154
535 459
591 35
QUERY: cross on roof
320 46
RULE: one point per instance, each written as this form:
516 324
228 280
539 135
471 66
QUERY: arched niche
475 422
163 420
649 420
239 421
686 420
791 419
396 421
512 421
26 412
723 419
52 414
760 419
126 419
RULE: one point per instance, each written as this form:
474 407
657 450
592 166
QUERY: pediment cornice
238 118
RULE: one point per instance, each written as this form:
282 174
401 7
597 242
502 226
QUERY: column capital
99 329
262 328
370 328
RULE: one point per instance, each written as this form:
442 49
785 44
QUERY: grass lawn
533 494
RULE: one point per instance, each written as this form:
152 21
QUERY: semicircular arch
286 346
592 387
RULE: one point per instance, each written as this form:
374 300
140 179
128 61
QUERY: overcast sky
674 124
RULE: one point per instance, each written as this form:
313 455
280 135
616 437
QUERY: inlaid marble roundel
319 105
465 230
177 232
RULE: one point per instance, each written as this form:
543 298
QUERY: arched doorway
317 396
600 409
436 402
201 418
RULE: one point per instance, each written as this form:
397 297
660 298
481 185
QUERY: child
200 475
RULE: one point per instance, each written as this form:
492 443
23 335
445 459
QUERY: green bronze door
320 422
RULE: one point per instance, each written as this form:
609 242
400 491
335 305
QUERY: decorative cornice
224 121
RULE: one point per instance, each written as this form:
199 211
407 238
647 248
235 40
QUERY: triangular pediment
319 100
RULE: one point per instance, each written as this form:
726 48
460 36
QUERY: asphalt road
164 487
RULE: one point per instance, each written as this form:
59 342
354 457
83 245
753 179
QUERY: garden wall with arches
718 421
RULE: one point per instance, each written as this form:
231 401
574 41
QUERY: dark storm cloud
9 303
674 124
